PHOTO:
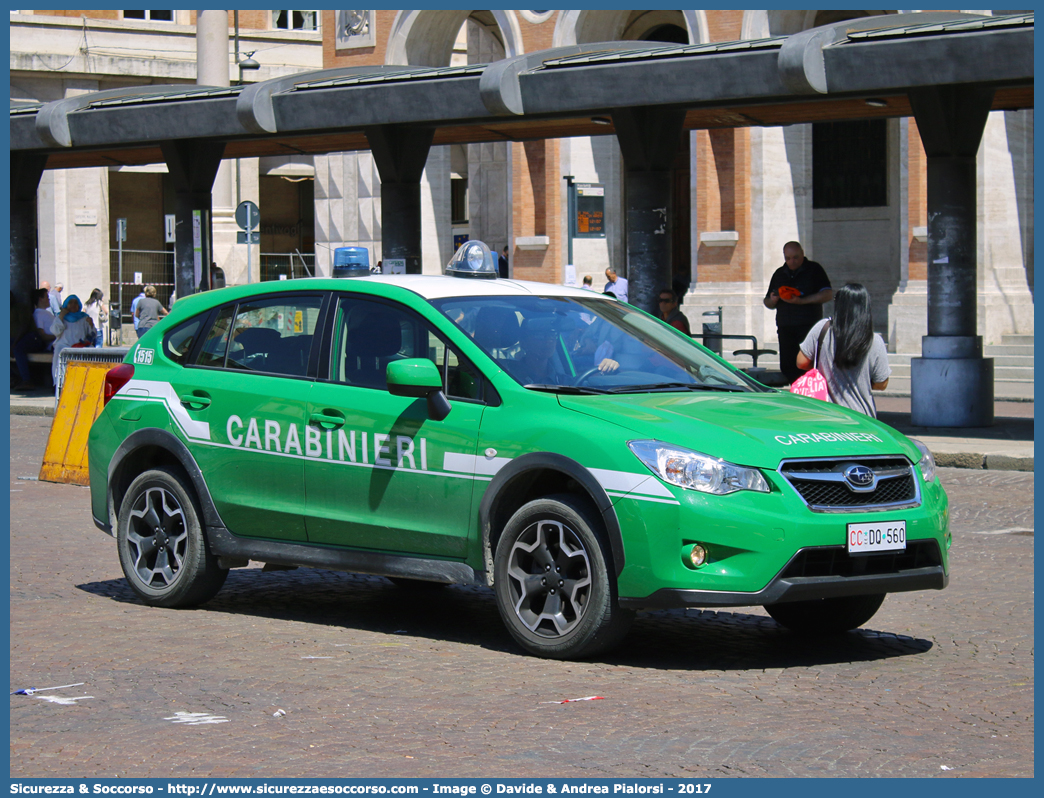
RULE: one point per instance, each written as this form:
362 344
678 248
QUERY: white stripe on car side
621 484
618 484
473 464
164 391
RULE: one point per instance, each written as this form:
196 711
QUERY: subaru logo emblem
859 476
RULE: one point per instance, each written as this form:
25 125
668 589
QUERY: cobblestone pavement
376 681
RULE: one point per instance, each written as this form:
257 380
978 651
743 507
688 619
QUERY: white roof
432 286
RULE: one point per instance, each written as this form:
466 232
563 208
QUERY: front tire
416 585
161 543
552 581
826 616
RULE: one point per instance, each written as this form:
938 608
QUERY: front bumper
787 586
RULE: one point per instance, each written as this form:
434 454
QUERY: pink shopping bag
813 383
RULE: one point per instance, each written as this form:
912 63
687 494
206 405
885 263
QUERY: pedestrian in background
617 286
99 313
134 308
796 292
37 338
149 311
671 313
72 327
502 264
55 297
853 358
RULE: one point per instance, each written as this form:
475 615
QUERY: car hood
755 429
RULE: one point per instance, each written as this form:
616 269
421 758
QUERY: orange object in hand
788 292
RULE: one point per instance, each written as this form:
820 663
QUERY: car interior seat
251 347
496 330
374 339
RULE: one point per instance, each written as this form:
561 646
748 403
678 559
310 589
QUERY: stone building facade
60 54
740 191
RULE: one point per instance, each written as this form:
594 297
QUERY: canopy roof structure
823 74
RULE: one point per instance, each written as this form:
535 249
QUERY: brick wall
917 207
723 202
724 26
536 209
361 56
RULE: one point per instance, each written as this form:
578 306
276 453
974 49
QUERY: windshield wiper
658 387
574 389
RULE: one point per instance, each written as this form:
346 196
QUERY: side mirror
419 378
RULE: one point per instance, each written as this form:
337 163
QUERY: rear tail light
115 379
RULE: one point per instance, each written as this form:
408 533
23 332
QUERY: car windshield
588 345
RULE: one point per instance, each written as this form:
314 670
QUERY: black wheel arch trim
796 588
543 461
154 436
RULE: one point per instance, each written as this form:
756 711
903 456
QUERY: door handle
328 420
195 401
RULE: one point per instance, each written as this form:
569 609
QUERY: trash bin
712 329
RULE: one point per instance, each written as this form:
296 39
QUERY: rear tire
553 580
161 542
826 616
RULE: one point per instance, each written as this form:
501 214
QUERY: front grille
833 494
823 487
836 561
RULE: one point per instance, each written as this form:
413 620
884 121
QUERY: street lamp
247 63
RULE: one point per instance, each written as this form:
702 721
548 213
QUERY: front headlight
688 469
927 463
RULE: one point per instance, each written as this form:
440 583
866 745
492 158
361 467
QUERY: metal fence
86 354
287 266
156 268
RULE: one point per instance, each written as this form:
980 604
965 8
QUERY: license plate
883 536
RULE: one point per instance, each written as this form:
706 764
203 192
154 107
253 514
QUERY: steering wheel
591 372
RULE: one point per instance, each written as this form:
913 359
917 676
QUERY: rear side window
213 354
178 343
266 335
274 335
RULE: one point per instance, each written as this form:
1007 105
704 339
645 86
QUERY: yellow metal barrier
65 458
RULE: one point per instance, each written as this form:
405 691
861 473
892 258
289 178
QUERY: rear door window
269 335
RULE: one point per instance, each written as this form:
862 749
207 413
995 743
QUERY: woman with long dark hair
95 308
850 355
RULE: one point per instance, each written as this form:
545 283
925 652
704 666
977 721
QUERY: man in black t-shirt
796 292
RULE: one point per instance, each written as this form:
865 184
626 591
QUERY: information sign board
589 221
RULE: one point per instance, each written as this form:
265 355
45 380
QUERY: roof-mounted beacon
473 259
351 262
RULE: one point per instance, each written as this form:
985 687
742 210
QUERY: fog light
698 555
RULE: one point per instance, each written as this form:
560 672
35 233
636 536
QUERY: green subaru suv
580 457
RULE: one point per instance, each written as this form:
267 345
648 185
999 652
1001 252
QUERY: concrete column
192 166
212 48
951 383
212 69
649 139
400 154
26 171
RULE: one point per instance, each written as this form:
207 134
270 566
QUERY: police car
579 456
